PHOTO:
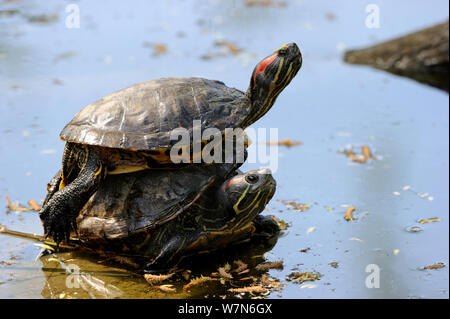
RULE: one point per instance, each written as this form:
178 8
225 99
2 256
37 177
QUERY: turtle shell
128 203
142 116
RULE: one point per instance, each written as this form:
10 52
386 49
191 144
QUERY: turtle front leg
52 187
168 257
265 227
59 213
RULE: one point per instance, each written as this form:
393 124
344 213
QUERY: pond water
48 72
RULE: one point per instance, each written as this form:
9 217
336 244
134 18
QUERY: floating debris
429 220
435 266
301 277
15 206
330 16
396 193
43 18
33 205
224 271
241 266
349 213
164 288
362 158
286 142
198 281
249 289
308 286
57 82
154 279
356 239
47 151
414 229
270 282
305 250
296 206
265 3
334 264
158 48
8 13
210 56
233 49
396 251
310 230
270 265
65 55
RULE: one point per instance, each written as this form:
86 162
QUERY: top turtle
131 130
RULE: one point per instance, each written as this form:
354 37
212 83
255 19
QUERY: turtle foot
57 224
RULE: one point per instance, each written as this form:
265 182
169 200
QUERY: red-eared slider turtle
130 130
158 217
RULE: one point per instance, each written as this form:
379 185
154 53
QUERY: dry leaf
334 264
197 281
250 289
301 277
429 220
349 213
362 158
164 288
435 266
264 3
270 265
223 271
269 281
33 205
366 152
296 206
241 266
15 206
310 230
286 142
153 279
230 46
158 48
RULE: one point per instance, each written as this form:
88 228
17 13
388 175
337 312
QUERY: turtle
157 217
132 129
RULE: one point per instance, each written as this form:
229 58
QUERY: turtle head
270 77
246 195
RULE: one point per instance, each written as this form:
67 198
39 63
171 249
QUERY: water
49 72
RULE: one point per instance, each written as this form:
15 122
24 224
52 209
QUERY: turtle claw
57 224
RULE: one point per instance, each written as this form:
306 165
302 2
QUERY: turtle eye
282 51
252 179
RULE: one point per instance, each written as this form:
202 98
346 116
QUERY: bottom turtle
159 217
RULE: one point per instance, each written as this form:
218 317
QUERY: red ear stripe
263 65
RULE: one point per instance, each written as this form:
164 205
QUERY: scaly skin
61 209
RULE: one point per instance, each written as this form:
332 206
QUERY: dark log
422 56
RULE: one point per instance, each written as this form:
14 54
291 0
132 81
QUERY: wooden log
422 56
